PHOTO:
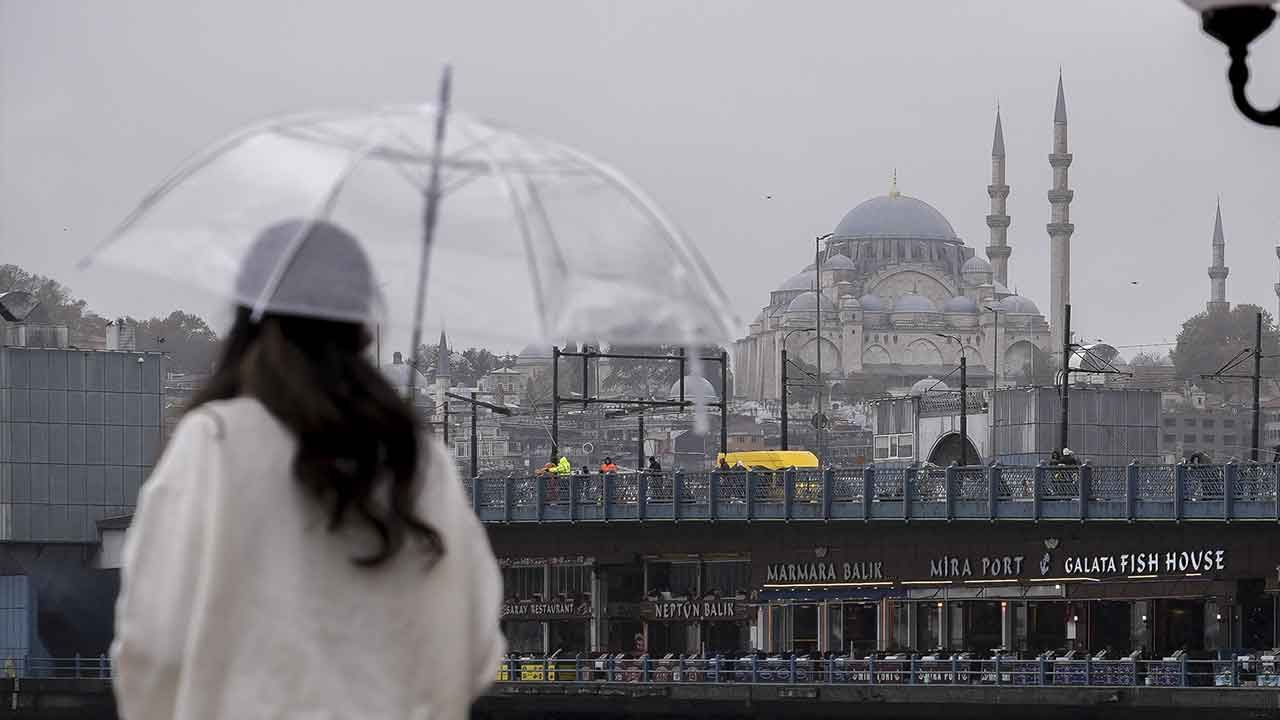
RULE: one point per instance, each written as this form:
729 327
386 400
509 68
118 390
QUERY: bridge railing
1173 673
1233 491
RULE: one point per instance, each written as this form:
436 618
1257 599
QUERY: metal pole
724 402
817 279
682 372
964 410
995 349
555 400
640 447
784 395
475 440
585 374
1257 380
1066 372
446 423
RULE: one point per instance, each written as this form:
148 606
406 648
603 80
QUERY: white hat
311 268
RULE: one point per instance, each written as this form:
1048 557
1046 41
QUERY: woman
299 550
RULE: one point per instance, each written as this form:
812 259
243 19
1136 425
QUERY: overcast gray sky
711 106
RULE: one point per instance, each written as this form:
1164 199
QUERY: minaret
1218 271
1277 286
998 221
1059 227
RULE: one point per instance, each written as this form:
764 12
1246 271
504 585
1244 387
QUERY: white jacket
237 602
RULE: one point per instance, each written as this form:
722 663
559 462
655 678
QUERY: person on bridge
564 468
301 548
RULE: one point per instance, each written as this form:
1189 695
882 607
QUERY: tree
188 340
1149 359
1209 340
537 389
642 378
56 300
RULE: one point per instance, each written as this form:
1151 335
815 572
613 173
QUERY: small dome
1000 290
838 262
850 302
1018 305
535 352
929 384
960 304
976 264
871 303
694 388
912 302
808 302
804 280
896 216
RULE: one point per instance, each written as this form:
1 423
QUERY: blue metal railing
1225 673
1232 672
1234 491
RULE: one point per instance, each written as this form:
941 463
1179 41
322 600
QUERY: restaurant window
728 579
570 580
522 582
928 626
678 579
567 636
523 636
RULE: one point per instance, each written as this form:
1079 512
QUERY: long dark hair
354 431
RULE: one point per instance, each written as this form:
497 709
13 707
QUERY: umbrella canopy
534 242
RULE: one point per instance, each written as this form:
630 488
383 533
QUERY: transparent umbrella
534 242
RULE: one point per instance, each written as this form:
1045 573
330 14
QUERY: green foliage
644 379
1207 341
187 338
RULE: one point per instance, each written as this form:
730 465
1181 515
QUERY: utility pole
475 440
1257 383
964 411
1066 372
724 401
784 394
640 446
817 281
555 401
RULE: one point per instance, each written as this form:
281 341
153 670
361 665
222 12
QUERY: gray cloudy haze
757 125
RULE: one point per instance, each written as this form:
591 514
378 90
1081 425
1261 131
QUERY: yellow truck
770 459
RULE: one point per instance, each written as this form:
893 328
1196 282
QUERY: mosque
901 296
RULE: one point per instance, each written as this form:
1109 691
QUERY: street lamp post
964 401
785 337
1236 23
817 278
995 346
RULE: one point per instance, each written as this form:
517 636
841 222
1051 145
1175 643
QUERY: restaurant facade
856 588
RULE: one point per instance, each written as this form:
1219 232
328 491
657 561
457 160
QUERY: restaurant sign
693 610
541 610
824 572
1204 560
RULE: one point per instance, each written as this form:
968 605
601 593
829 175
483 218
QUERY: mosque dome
850 302
1018 305
1000 289
871 303
895 216
694 388
976 264
808 302
960 304
535 352
912 302
928 384
803 280
838 262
